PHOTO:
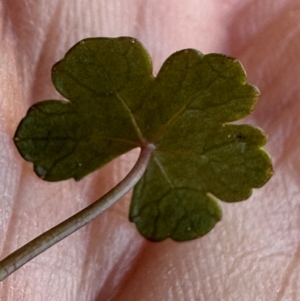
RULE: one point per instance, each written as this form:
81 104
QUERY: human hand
252 254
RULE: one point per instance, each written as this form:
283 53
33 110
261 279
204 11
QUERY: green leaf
115 104
103 79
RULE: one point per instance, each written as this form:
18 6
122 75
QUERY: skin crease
252 254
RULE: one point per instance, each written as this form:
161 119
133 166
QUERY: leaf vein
162 170
132 118
186 106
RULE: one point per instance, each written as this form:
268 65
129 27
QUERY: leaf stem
46 240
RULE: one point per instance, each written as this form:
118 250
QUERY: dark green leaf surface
103 79
115 104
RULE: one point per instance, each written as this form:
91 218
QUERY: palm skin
252 254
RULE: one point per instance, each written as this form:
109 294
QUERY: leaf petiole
46 240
